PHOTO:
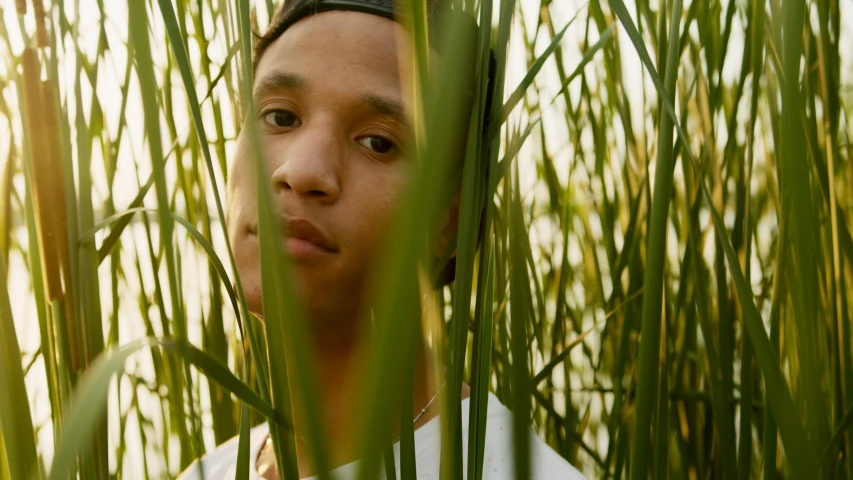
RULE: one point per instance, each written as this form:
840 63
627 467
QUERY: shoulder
222 461
497 464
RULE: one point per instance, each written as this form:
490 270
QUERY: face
333 123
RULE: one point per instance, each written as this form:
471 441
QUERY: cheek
241 198
378 205
248 268
240 213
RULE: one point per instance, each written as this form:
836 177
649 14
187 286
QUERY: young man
333 119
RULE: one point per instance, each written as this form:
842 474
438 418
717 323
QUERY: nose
307 164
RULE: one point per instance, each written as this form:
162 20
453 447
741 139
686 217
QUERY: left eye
377 144
282 119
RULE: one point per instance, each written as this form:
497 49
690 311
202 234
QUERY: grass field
663 285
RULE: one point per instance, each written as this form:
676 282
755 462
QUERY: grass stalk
15 417
647 380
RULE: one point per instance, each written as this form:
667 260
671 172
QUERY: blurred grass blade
478 413
842 428
243 455
288 348
15 419
220 374
181 57
519 293
799 213
179 376
650 330
603 41
546 370
87 404
284 446
472 203
90 397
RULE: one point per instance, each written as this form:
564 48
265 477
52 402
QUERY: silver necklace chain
429 403
417 417
268 443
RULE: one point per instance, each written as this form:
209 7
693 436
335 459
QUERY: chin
254 297
317 304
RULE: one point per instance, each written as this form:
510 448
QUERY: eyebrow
279 81
387 107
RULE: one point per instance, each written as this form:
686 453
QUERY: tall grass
661 290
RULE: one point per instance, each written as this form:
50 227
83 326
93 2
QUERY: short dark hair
291 11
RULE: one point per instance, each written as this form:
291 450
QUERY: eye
281 119
377 144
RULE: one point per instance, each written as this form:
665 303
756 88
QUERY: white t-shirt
497 462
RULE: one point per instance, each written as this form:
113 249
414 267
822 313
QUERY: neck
339 357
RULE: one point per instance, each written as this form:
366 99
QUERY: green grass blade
408 461
182 59
840 431
288 349
799 213
474 184
481 373
15 418
520 296
88 403
516 96
647 377
220 374
243 456
117 219
602 42
90 396
138 34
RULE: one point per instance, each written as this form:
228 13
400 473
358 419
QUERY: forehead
341 47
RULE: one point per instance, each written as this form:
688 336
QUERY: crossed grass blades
662 289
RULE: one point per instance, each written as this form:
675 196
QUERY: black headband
383 8
298 9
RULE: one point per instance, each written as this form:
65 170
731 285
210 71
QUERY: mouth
301 239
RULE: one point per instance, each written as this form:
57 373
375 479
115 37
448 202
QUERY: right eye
281 119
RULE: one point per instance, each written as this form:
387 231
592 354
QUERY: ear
449 225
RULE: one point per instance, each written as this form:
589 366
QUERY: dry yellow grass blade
45 164
42 38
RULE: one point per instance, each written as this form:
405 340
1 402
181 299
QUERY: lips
301 240
305 231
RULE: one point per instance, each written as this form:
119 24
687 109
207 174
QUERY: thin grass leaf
478 412
88 403
220 374
512 100
242 467
286 332
15 418
840 431
650 340
90 397
520 294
